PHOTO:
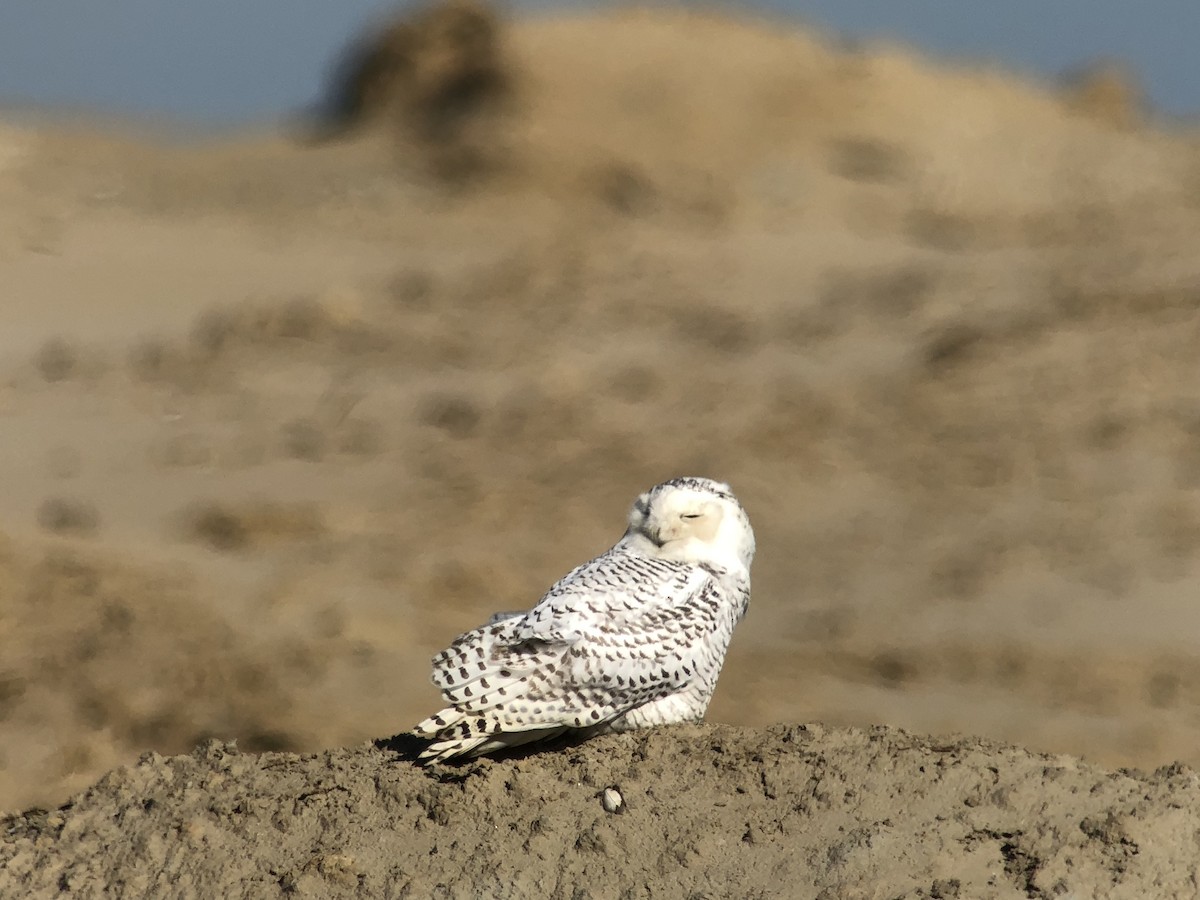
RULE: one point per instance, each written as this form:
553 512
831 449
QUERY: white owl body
634 638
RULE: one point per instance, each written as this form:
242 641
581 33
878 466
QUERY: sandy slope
277 420
712 811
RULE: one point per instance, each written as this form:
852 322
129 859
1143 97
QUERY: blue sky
227 62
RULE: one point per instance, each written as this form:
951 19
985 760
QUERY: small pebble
612 801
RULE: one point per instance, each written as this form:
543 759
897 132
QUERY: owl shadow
408 747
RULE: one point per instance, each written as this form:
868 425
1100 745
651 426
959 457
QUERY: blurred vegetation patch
254 525
455 414
869 160
1107 92
59 359
437 76
68 516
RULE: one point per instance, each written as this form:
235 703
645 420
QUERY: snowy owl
634 638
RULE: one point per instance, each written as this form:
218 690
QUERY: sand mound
796 811
279 420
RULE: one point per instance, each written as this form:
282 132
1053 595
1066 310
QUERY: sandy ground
708 811
278 419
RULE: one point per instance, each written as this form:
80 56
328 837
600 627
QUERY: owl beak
653 535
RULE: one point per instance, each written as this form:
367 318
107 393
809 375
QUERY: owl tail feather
458 740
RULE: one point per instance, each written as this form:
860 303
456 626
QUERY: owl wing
614 634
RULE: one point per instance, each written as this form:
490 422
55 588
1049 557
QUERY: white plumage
633 638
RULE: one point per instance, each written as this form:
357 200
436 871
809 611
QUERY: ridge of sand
278 420
800 811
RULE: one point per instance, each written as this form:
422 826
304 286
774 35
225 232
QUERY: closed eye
691 515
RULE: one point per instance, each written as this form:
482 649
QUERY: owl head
695 520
